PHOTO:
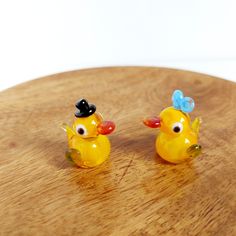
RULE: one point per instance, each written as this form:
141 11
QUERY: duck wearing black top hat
88 144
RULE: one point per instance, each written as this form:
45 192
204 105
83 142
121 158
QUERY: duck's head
88 123
170 121
173 120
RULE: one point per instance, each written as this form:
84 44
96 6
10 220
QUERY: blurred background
39 38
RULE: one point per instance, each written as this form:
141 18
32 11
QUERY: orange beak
152 122
106 127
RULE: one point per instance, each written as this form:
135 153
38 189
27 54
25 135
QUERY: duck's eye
81 130
177 127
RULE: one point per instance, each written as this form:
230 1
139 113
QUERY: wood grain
135 192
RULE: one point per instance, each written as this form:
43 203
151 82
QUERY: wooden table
133 193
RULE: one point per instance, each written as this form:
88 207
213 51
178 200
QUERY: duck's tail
69 131
196 125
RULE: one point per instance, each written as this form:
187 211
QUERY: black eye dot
176 129
81 131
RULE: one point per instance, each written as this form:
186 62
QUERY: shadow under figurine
88 145
178 137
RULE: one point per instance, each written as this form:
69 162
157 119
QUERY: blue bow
185 104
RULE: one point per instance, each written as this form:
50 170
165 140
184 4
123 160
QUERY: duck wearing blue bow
178 137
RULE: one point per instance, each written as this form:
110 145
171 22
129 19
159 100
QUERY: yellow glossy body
172 146
89 152
90 148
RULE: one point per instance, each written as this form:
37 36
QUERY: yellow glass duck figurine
88 145
178 137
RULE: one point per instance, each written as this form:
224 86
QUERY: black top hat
84 109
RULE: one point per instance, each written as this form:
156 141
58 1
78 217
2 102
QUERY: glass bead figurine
178 137
88 144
